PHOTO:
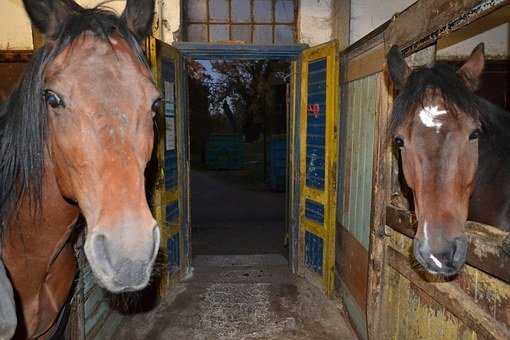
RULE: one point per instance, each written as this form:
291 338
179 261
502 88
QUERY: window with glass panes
249 21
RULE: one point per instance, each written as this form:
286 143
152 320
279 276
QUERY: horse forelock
442 80
23 116
437 80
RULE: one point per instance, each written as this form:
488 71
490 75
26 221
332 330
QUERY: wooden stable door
317 173
168 172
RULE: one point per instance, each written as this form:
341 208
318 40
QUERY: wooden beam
38 38
424 22
15 56
450 296
486 243
366 64
381 190
341 22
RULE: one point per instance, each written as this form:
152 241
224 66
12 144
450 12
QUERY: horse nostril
156 239
155 234
460 253
453 250
101 250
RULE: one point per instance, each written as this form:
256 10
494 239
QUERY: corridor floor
233 214
241 297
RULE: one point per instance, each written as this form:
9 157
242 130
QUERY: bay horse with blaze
455 149
75 137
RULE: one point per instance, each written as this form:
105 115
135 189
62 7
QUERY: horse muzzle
445 260
122 262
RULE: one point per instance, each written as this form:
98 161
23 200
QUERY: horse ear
398 68
138 16
47 15
472 69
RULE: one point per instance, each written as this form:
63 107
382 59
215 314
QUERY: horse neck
34 247
494 145
490 201
55 219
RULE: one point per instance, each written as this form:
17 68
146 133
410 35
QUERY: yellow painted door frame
162 197
318 131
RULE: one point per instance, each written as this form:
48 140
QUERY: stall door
170 164
318 135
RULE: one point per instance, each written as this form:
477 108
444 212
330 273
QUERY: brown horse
75 138
454 147
8 318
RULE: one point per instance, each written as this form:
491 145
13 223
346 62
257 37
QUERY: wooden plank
10 73
352 265
38 38
366 64
183 157
12 66
341 22
411 313
356 150
485 250
425 21
293 167
381 190
18 56
208 51
448 295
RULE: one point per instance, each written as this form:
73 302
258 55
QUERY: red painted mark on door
314 109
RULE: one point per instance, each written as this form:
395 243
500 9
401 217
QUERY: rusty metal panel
356 157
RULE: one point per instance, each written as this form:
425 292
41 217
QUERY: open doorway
238 113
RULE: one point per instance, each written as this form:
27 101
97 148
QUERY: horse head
100 100
435 125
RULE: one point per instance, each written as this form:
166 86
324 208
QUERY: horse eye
53 100
156 106
475 134
399 142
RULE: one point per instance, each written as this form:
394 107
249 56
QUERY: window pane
284 11
241 11
263 11
263 34
197 33
218 33
218 10
241 32
284 34
196 10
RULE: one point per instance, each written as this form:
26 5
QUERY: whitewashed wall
367 15
496 42
315 21
16 32
315 24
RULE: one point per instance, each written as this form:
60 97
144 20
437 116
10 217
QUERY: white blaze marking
429 114
426 230
436 261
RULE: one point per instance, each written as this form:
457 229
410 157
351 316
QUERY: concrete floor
241 287
243 297
233 213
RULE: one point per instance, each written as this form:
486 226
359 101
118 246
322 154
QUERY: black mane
443 78
23 116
